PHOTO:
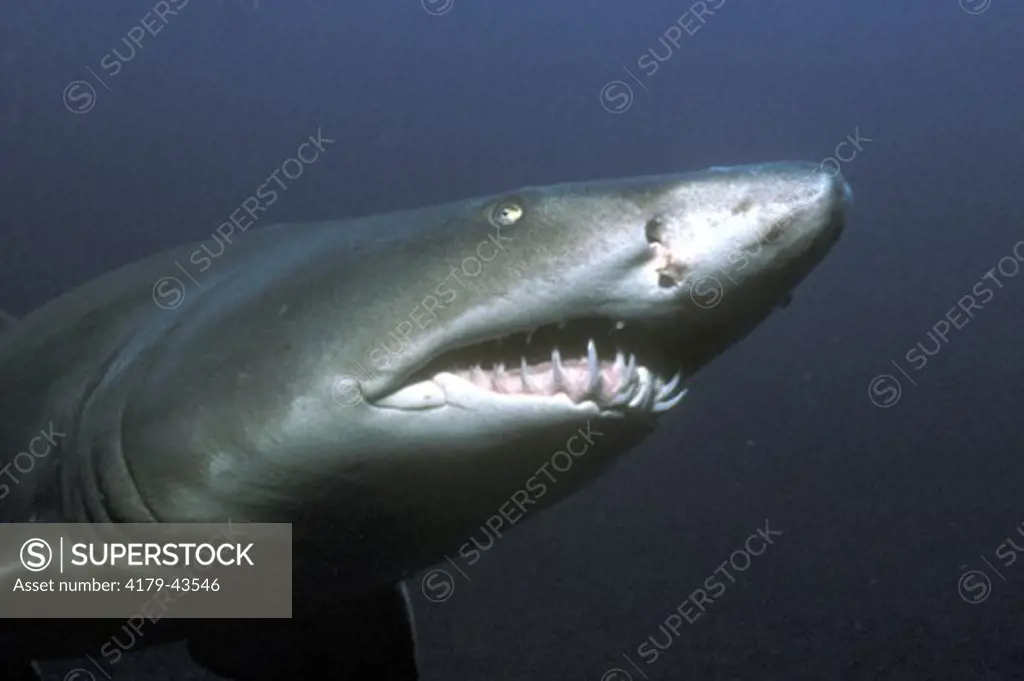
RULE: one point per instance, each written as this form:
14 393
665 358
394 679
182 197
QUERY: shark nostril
654 230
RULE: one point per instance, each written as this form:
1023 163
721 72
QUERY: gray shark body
387 383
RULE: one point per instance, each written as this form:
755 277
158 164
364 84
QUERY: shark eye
506 214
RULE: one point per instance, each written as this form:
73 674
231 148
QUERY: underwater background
873 429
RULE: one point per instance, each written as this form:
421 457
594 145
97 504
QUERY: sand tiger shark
386 383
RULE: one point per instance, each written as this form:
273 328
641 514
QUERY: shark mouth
589 361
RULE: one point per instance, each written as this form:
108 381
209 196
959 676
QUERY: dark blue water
884 511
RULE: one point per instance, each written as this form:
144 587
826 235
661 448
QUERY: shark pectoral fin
368 637
7 321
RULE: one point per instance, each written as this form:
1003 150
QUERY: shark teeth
666 389
557 370
537 363
661 407
645 392
629 375
593 370
665 399
524 376
639 388
620 385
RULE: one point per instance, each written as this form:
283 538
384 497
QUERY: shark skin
386 383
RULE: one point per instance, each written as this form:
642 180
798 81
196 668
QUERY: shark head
529 323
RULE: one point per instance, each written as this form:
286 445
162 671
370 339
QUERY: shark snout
813 203
839 200
757 230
